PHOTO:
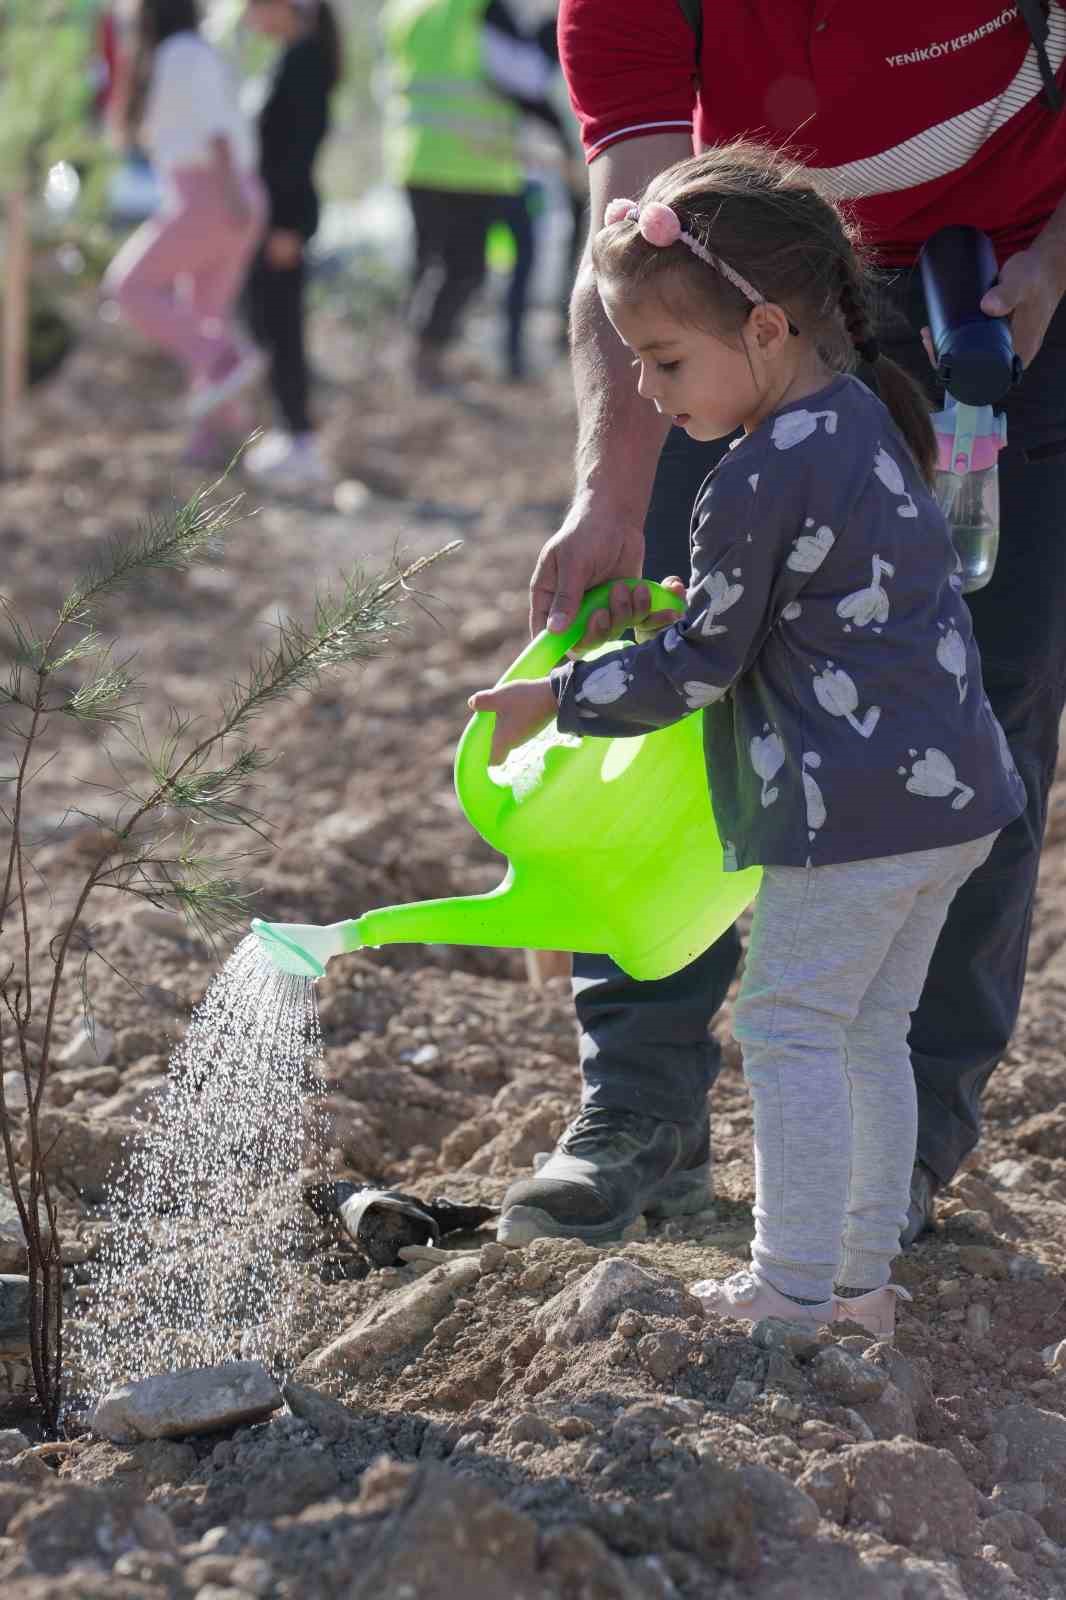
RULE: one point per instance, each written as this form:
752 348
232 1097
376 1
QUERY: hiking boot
875 1311
608 1167
747 1298
924 1185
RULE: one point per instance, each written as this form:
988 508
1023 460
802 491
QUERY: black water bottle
975 357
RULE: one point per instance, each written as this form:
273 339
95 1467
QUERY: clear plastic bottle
969 439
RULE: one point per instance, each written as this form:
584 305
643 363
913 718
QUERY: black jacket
292 125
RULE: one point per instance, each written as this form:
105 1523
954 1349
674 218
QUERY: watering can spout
507 917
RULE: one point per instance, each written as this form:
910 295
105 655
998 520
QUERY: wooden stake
544 964
16 315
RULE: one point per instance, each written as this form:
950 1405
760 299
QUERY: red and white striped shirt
922 115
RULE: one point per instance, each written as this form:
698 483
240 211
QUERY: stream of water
207 1224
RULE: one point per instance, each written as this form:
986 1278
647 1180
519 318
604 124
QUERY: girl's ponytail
907 404
325 30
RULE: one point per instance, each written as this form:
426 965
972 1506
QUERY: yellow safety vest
445 128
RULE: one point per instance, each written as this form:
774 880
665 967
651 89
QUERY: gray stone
528 1428
858 1425
15 1097
1010 1173
85 1049
12 1443
397 1320
780 1507
846 1377
197 1400
328 1417
14 1316
774 1333
906 1375
1025 1269
784 1409
742 1394
889 1415
978 1319
1036 1442
12 1238
581 1310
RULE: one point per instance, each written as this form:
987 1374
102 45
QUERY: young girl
851 748
292 125
177 278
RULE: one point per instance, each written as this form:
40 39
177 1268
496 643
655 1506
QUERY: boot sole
683 1194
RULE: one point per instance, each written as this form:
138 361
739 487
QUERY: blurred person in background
293 123
177 278
461 74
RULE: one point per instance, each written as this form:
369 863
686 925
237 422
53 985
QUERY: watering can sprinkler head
300 948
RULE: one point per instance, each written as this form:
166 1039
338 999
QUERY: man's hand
585 551
521 708
1028 293
284 249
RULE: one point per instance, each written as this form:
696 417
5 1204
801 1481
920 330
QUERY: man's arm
619 434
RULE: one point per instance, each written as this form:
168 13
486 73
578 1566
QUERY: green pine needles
146 838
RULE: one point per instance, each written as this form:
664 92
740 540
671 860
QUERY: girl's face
275 19
703 383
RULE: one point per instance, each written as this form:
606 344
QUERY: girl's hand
521 709
629 608
284 248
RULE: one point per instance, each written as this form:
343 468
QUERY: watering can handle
543 653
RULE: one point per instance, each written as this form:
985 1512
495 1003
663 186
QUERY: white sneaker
875 1311
746 1298
280 461
211 393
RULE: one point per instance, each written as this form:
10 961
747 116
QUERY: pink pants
177 279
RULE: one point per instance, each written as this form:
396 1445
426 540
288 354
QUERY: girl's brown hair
767 216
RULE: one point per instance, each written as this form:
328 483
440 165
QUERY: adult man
923 116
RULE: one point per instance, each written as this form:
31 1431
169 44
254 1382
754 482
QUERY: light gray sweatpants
835 966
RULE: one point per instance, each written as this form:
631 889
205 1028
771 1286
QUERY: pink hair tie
620 211
660 225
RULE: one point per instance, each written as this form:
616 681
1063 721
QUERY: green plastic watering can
611 844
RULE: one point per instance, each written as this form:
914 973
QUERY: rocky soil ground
558 1423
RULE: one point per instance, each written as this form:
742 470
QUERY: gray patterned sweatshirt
827 637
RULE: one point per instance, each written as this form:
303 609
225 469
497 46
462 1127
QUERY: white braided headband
660 224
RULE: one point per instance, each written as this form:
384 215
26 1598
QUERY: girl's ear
769 326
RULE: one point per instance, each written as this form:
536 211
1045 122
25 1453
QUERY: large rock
915 1495
582 1310
197 1400
712 1513
780 1507
328 1417
14 1316
846 1377
398 1320
75 1522
890 1415
451 1536
1036 1443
